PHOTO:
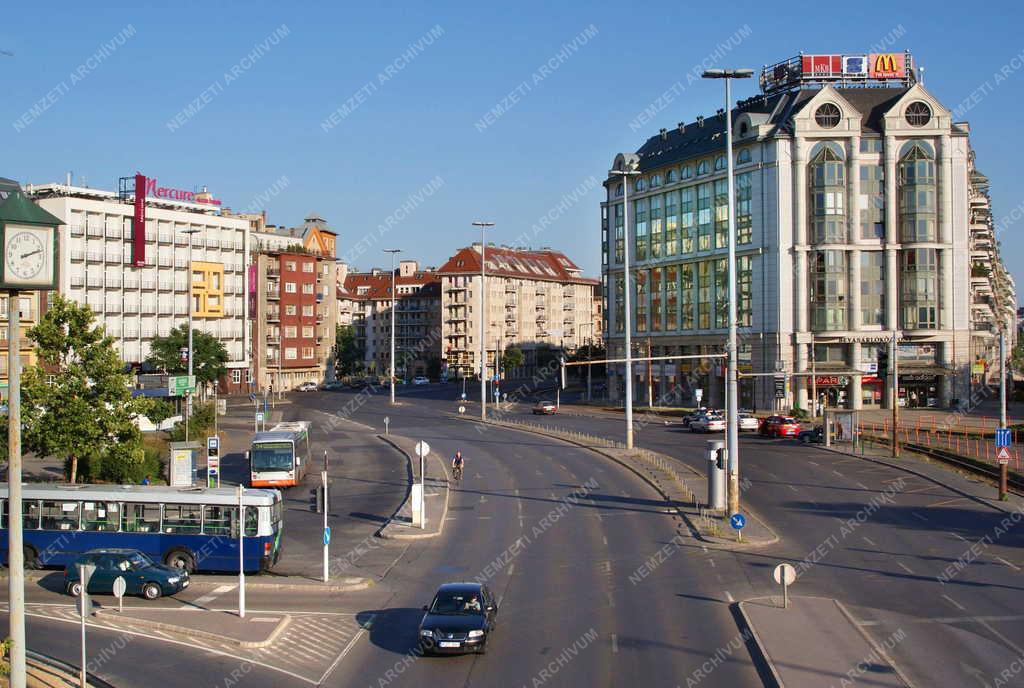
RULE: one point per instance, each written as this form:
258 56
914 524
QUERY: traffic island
435 495
679 484
814 641
259 629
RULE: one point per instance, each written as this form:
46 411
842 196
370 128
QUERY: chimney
681 127
721 113
700 120
664 134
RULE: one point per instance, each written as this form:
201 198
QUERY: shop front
919 390
832 390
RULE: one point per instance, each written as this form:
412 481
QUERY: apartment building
534 300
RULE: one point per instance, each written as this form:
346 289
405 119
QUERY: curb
719 544
871 642
761 651
205 635
353 584
397 535
907 469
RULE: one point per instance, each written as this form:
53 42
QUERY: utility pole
590 355
483 316
630 165
15 546
814 382
394 306
650 375
1004 469
191 307
894 357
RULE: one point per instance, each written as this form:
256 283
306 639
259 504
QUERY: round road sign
119 587
784 574
737 521
462 409
422 449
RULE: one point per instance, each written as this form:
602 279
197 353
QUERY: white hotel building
859 214
136 304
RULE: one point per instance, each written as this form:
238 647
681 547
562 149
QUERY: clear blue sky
420 122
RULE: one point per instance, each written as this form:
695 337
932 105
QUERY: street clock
28 238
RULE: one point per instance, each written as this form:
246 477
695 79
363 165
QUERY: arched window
720 163
743 157
702 167
640 185
828 196
655 180
917 193
618 190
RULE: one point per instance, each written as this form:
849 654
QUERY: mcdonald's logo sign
887 66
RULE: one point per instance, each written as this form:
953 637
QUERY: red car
780 426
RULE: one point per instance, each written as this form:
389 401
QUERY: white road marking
1002 637
728 596
863 486
615 644
955 603
605 540
484 518
813 463
837 473
712 562
510 569
958 535
793 488
868 540
919 516
357 636
1012 566
905 567
217 592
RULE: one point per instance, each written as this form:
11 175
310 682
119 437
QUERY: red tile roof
380 285
546 265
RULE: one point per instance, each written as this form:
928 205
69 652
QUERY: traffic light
883 364
720 459
318 499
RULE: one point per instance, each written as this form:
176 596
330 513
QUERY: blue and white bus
190 528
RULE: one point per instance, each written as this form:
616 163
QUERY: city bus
195 529
280 457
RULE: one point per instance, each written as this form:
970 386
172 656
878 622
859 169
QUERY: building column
944 191
800 230
854 320
854 390
892 315
800 384
802 301
946 304
853 184
947 389
892 233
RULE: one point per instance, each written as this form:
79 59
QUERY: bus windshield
272 456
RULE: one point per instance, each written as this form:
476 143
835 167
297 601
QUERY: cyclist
457 464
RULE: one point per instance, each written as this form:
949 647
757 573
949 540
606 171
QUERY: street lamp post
732 386
394 305
629 168
191 303
483 315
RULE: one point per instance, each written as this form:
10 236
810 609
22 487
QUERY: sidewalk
258 629
399 526
815 642
685 493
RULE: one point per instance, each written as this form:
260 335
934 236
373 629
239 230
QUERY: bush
798 413
200 424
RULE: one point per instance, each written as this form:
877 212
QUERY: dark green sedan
142 575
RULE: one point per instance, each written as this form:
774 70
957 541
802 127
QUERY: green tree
210 355
159 411
511 359
347 352
86 415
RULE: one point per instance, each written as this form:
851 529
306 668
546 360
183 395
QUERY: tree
511 359
86 414
347 352
208 363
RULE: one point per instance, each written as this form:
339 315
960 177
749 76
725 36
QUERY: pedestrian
146 481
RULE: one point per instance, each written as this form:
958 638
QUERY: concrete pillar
892 232
853 302
854 391
892 310
853 184
947 389
946 304
802 300
800 384
944 183
800 231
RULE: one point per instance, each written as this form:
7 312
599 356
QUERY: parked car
421 380
816 435
780 426
544 408
333 385
708 423
142 575
460 619
308 387
748 422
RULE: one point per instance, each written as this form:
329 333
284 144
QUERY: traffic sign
422 449
698 394
463 396
259 416
1003 455
1003 437
179 385
327 535
462 409
784 574
737 521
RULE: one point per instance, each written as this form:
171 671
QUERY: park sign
180 385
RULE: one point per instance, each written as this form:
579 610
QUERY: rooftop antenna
920 75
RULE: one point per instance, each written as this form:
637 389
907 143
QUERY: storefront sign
821 65
831 380
175 194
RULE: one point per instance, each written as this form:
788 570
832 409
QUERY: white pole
628 313
732 399
191 297
423 492
241 553
394 305
323 480
483 325
15 550
83 680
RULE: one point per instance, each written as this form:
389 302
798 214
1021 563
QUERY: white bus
280 457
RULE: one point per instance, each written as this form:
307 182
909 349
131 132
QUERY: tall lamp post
629 167
483 315
394 305
191 307
29 243
732 385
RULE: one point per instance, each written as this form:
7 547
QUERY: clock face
28 255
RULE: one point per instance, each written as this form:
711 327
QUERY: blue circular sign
327 535
737 521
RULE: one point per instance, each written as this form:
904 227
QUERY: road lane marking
1012 566
838 473
483 518
615 644
793 488
958 535
1002 637
356 637
813 463
712 562
863 486
955 603
868 540
217 592
510 569
946 502
605 540
919 516
728 596
905 567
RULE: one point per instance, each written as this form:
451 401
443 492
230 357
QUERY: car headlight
476 634
427 633
173 579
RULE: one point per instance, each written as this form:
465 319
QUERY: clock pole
15 547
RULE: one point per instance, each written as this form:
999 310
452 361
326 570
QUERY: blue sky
393 133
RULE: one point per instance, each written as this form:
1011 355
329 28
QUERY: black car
817 436
460 619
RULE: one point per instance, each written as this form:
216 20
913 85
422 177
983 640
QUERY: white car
308 387
420 380
748 422
708 424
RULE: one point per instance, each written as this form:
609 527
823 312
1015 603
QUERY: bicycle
457 473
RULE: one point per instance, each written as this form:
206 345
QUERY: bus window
182 518
251 523
217 520
29 514
271 456
276 516
142 518
104 516
60 515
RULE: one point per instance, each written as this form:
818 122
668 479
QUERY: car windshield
138 560
272 456
788 421
456 603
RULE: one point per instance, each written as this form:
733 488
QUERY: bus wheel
181 559
151 591
31 558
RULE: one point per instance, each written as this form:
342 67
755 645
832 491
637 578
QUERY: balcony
273 294
273 314
180 285
93 281
77 255
541 307
94 256
453 288
542 318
